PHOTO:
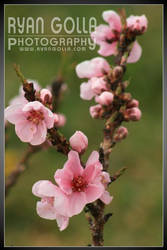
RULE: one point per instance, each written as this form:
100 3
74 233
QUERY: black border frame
2 66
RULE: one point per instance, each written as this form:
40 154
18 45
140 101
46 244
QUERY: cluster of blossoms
33 118
102 79
100 86
108 36
77 185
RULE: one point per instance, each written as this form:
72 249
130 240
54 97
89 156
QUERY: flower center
35 116
79 184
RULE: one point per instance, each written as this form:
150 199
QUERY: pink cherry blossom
107 36
105 98
113 19
81 185
79 142
133 103
31 121
133 114
93 87
96 67
94 110
137 23
59 120
135 53
86 91
121 133
45 95
50 195
98 84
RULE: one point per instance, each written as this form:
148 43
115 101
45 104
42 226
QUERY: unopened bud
95 111
117 72
121 134
59 120
126 97
133 104
105 98
137 24
46 96
133 114
79 142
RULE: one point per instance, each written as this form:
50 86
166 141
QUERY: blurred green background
137 204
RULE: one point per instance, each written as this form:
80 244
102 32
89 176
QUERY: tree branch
21 167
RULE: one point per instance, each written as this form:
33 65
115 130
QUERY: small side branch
117 174
21 167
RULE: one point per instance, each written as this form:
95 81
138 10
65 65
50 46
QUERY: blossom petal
93 158
106 198
20 99
46 210
49 117
93 192
14 113
108 49
73 163
90 172
32 105
94 68
135 53
25 130
64 177
86 92
62 222
83 70
61 203
113 19
77 201
40 136
44 188
101 34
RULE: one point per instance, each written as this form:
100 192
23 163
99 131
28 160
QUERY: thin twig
21 167
117 174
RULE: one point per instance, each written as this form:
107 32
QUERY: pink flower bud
137 23
95 110
133 103
79 142
121 133
46 96
98 85
133 114
105 98
86 92
56 118
59 120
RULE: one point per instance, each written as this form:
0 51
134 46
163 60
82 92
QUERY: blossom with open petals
49 194
95 67
81 185
107 36
31 121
